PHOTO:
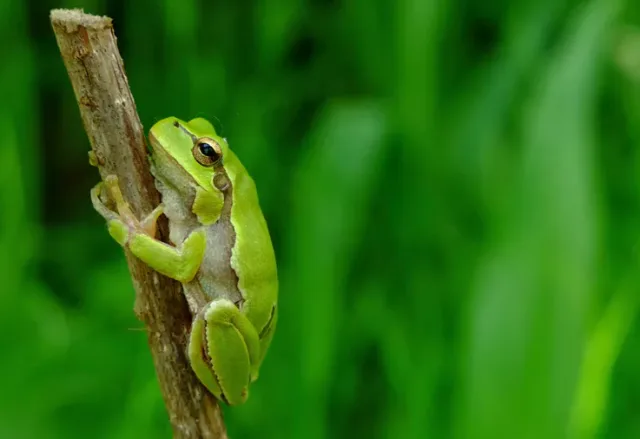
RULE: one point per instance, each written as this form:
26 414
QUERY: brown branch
90 53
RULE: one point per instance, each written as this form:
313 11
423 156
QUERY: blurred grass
452 190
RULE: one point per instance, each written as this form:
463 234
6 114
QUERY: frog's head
188 153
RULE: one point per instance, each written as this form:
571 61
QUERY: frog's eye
207 151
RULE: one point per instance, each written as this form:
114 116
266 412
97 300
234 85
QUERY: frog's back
253 257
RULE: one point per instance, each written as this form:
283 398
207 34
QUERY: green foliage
452 189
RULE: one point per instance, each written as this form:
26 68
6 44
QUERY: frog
219 249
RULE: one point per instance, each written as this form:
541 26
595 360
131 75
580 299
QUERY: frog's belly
216 277
218 280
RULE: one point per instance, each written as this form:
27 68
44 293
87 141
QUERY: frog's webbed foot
224 351
102 203
108 200
149 223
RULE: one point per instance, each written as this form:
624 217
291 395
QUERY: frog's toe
101 202
149 224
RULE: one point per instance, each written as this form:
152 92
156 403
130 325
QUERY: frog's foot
224 351
101 202
112 184
149 223
108 200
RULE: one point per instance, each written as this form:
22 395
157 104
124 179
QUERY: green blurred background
452 189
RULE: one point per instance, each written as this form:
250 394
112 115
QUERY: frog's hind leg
224 350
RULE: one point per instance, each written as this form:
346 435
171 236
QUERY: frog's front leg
180 263
224 351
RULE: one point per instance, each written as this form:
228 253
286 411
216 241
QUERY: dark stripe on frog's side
209 361
205 344
269 324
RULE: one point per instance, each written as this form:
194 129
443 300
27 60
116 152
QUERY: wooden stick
88 47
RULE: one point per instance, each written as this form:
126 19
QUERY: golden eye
207 151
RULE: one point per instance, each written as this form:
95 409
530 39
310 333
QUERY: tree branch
90 53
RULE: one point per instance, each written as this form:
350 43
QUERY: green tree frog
220 250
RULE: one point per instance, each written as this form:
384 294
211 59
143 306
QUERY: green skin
222 255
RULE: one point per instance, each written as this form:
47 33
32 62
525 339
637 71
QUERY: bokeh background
453 192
